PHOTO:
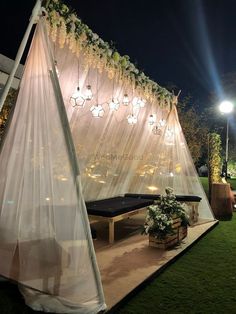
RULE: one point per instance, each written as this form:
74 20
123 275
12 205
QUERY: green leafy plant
159 218
214 143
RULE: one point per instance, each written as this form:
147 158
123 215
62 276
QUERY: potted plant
166 221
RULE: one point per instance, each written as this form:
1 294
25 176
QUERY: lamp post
226 107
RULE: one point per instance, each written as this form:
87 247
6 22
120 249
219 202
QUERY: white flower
73 18
95 36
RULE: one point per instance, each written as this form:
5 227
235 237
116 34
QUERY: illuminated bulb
126 99
47 198
141 102
88 93
77 99
114 104
97 111
226 106
132 119
152 119
171 174
162 122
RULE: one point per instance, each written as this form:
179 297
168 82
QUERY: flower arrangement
159 218
66 28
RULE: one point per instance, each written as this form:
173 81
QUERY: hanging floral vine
66 28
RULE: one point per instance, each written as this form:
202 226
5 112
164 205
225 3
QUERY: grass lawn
201 281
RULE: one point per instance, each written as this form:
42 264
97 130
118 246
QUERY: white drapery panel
45 240
116 158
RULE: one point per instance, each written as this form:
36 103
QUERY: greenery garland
66 28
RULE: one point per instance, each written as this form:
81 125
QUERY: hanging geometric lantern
77 98
156 130
132 119
162 122
139 102
126 100
114 105
152 119
97 111
142 102
88 93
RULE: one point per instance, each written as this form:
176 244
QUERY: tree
195 129
6 109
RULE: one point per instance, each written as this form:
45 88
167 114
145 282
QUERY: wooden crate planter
166 243
170 240
183 232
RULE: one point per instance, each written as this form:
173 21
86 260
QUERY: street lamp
226 107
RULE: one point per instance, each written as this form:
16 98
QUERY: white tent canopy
116 157
45 240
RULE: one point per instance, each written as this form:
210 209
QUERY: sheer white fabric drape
116 158
44 237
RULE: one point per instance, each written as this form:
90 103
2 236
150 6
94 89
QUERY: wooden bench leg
111 231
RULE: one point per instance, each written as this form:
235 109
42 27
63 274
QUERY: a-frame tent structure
80 103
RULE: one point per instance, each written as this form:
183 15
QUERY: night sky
187 43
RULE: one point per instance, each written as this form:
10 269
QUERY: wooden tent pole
35 13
